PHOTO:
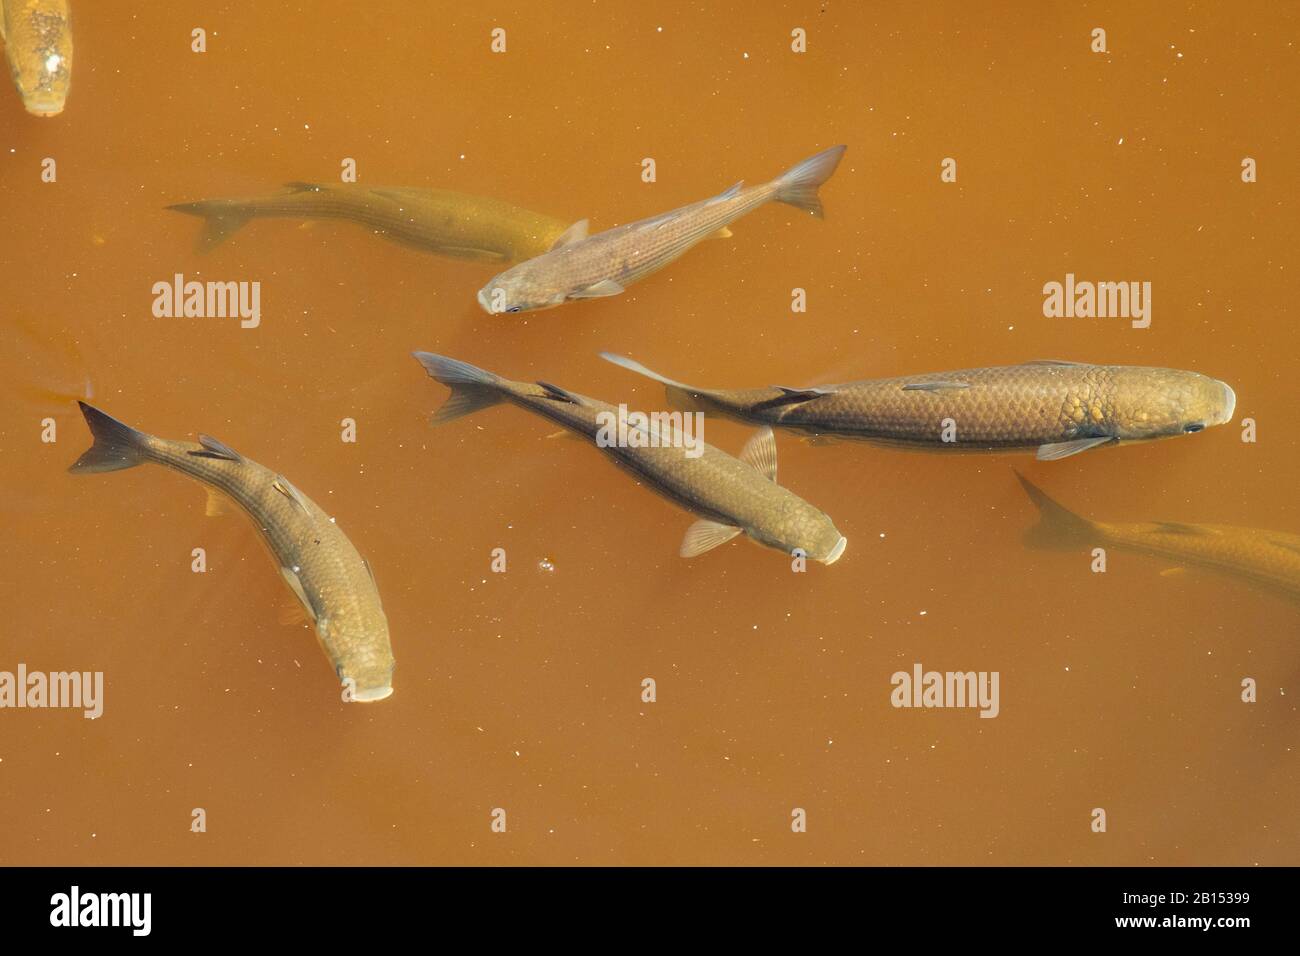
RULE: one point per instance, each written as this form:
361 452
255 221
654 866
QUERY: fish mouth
370 694
43 107
836 551
1229 402
483 300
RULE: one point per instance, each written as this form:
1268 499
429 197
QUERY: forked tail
472 388
1058 527
798 186
221 218
116 445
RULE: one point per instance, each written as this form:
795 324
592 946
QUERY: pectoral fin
1055 451
723 233
760 452
295 584
706 535
603 288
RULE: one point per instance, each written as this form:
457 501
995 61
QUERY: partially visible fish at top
1055 408
37 36
431 220
607 263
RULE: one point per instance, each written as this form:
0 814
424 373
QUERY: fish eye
515 308
1194 427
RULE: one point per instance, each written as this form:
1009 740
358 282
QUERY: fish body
1270 559
1056 408
729 495
608 262
430 220
319 563
37 36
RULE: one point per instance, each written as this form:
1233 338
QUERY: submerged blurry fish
731 495
1267 558
38 45
431 220
610 261
333 582
1059 408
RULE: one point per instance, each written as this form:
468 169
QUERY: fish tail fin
1058 526
221 218
798 185
471 387
116 445
680 396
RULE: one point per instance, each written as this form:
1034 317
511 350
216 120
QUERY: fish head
40 58
523 288
366 664
1161 403
805 529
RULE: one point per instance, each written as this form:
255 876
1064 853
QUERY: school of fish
1052 408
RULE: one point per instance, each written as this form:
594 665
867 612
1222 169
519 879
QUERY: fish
1054 408
1269 559
332 581
730 496
608 262
37 35
431 220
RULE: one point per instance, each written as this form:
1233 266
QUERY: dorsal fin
792 395
760 453
559 394
731 193
1177 527
933 386
575 233
215 449
1052 362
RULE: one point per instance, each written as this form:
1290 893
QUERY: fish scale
316 559
1267 558
583 267
1060 408
430 220
731 493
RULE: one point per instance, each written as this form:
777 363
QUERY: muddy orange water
522 691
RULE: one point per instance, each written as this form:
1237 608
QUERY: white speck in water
546 564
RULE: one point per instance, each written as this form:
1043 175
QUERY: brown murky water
522 690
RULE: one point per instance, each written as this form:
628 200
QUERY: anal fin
217 504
